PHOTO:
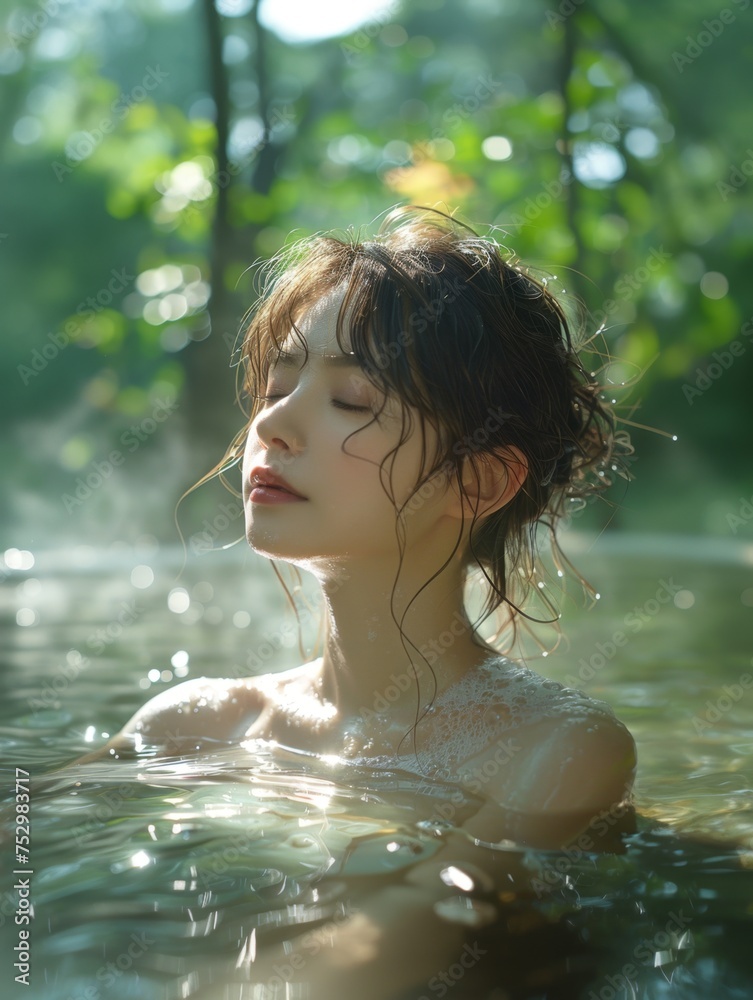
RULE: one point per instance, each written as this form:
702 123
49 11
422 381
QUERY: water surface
164 879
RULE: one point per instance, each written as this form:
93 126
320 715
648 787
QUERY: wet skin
563 774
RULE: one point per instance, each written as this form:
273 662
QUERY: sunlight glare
303 21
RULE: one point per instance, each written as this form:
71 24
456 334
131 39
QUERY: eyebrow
291 359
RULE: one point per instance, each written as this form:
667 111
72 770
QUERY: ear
490 480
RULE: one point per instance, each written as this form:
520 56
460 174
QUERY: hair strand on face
461 334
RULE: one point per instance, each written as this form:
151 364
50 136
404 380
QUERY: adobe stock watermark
498 755
31 24
737 178
75 662
203 541
566 9
446 979
535 205
221 179
634 620
285 636
550 875
214 869
434 649
109 973
619 984
81 145
483 92
239 850
383 700
623 463
278 118
312 941
469 444
8 906
86 310
110 802
712 28
611 129
629 284
354 48
744 515
712 372
474 780
731 694
131 439
428 149
418 322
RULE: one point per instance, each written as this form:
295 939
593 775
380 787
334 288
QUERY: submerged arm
397 940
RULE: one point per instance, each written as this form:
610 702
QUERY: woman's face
299 434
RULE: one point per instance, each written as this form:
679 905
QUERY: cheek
406 470
250 450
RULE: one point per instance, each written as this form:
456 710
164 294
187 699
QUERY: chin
272 544
265 543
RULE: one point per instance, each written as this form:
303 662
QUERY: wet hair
455 328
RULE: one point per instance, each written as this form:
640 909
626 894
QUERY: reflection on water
166 879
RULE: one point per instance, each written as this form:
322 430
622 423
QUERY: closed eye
335 402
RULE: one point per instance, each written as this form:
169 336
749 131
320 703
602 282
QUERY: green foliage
592 142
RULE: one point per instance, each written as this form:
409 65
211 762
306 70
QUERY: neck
368 667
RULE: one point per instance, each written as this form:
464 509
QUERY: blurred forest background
155 151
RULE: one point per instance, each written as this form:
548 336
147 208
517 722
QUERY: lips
261 476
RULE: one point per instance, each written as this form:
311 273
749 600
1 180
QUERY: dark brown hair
458 330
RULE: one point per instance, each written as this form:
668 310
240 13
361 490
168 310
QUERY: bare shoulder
561 758
563 776
198 713
560 781
192 715
576 748
210 707
587 761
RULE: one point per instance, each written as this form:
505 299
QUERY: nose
279 425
